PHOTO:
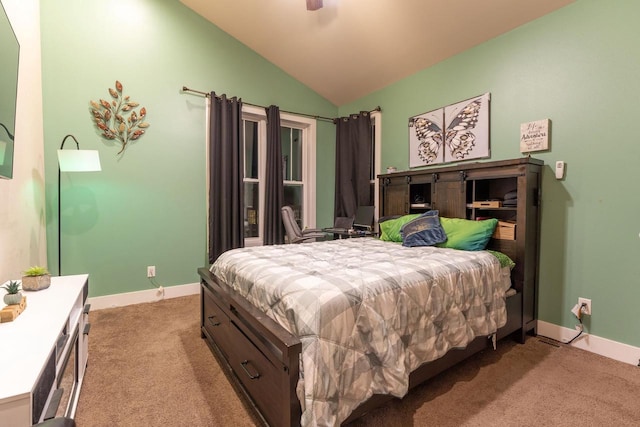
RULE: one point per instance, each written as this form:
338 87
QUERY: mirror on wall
9 52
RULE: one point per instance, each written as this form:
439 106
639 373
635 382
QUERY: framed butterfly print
453 133
425 139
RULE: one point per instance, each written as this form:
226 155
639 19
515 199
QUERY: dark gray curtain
273 229
353 163
226 217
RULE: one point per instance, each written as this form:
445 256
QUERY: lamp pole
59 217
7 131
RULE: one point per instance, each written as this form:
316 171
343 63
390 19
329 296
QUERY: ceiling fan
314 4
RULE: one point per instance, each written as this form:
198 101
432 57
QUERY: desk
352 234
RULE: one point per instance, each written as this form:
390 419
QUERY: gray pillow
425 230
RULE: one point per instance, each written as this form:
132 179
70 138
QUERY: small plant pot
36 283
12 299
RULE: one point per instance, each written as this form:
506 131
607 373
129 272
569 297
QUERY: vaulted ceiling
350 48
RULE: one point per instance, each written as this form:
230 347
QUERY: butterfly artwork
454 133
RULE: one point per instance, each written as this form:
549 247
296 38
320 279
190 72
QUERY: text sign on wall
534 136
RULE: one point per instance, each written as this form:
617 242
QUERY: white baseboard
149 295
595 344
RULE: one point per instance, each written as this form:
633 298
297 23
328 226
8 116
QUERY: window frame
307 126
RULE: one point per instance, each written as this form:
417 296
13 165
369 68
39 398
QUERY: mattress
367 312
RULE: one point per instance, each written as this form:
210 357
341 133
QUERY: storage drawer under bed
264 381
216 322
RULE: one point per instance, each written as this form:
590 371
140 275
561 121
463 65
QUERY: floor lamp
73 161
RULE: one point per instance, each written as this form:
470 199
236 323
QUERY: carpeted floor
148 366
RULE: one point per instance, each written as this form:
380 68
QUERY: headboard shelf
464 191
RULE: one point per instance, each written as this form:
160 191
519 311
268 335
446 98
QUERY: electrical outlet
587 308
151 271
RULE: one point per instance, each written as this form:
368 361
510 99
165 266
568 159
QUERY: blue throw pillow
425 230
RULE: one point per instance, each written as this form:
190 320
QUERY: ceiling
350 48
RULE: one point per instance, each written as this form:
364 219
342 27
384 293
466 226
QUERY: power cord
157 285
579 316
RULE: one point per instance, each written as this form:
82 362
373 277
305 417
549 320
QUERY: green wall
147 206
578 66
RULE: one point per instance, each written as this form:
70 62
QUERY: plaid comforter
367 312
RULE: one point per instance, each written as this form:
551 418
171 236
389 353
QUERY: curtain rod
186 89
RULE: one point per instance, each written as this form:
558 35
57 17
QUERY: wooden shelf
453 191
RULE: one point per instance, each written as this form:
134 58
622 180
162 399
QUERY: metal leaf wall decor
118 119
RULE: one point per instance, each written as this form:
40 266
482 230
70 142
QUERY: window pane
293 198
291 154
251 149
285 139
296 155
251 209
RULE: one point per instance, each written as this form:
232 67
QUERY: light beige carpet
148 366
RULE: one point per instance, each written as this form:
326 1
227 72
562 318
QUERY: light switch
559 169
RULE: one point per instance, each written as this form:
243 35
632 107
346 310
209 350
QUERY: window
252 156
292 171
298 169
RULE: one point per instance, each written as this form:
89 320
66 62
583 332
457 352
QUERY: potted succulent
36 278
13 295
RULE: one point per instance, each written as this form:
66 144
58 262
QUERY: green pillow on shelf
504 259
390 230
466 234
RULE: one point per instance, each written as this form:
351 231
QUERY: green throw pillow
466 234
390 230
504 259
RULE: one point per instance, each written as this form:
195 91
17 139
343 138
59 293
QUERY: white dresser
43 353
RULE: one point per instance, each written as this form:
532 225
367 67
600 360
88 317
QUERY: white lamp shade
79 160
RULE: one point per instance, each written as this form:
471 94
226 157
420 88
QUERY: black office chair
294 233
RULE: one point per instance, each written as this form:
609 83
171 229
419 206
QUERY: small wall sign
534 136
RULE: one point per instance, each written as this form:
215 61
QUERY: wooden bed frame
262 357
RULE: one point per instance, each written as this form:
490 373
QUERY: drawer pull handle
251 376
86 329
212 322
86 309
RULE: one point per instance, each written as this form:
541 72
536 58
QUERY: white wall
22 202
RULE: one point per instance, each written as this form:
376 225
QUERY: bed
316 333
261 345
